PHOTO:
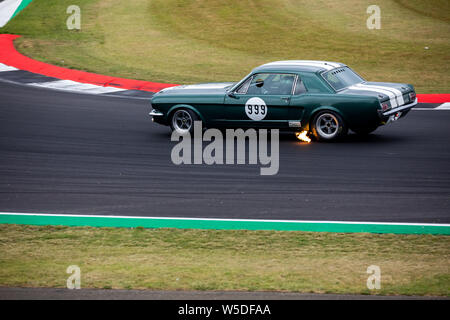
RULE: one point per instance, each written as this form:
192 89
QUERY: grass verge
174 259
184 41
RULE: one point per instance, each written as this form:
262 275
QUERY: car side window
244 87
313 84
271 84
299 87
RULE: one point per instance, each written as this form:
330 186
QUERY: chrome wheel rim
327 125
182 121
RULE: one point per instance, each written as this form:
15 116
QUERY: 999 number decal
256 109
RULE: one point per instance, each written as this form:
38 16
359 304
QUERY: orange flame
303 136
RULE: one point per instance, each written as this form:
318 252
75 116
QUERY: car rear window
341 78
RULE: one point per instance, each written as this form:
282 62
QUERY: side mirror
259 83
231 94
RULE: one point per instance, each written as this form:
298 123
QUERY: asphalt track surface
101 294
68 153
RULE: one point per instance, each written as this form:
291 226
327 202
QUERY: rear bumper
396 113
400 109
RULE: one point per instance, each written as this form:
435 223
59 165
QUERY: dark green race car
323 98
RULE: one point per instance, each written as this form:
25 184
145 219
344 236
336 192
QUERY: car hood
396 93
202 88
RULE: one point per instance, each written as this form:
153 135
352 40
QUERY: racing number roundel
256 108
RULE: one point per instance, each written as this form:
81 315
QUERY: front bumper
155 113
158 117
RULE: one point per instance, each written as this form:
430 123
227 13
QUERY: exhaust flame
303 136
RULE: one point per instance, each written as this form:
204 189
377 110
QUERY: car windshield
342 78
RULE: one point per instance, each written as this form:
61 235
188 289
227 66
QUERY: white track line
444 106
7 10
4 67
237 220
69 85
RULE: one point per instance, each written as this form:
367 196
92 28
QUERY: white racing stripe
398 93
387 93
4 67
322 64
392 95
308 64
69 85
333 64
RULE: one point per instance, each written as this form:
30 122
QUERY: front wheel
182 121
328 126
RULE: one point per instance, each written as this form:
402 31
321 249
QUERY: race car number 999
256 108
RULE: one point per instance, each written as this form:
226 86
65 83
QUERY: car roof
299 65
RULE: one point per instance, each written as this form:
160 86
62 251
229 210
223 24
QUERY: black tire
328 126
182 120
364 130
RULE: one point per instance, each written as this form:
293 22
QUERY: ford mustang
323 98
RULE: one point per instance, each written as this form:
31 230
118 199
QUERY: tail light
385 106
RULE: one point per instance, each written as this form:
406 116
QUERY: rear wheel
328 126
182 121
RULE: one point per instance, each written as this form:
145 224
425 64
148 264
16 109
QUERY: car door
298 102
309 93
262 101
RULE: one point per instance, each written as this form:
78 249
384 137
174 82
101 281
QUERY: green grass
173 259
182 41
